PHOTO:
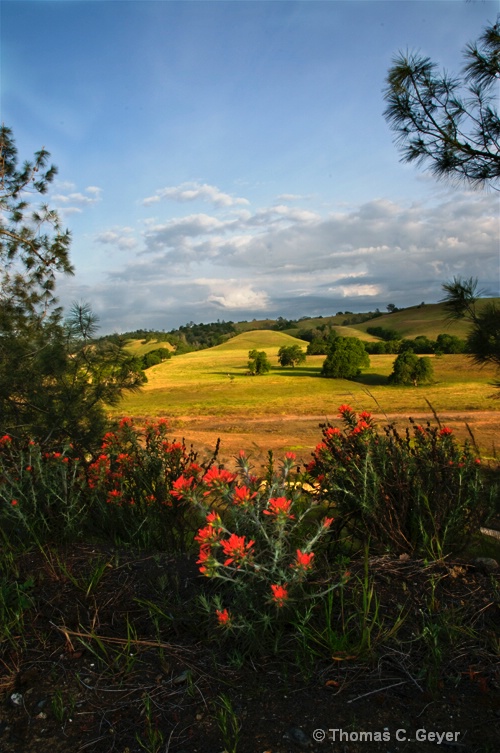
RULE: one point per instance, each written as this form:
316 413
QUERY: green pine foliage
55 379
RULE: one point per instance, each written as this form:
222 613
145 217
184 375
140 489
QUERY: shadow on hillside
315 371
372 380
369 380
309 371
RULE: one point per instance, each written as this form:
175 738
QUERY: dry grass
208 394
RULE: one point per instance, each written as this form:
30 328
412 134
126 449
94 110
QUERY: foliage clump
291 355
419 492
258 362
55 378
346 357
409 369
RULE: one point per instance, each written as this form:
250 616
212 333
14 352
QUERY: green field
215 382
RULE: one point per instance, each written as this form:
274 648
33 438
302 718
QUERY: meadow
209 394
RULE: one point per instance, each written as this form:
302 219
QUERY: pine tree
449 123
54 381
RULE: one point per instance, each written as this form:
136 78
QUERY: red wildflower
303 561
223 617
205 560
194 469
207 534
173 446
213 518
280 508
445 432
280 594
326 522
108 439
124 459
290 456
180 486
14 502
332 432
237 549
360 426
5 439
243 495
345 409
217 476
365 415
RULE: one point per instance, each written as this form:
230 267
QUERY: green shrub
261 543
346 356
130 483
420 492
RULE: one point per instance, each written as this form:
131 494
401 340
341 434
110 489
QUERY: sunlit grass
140 348
216 382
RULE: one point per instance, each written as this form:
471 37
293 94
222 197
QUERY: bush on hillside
346 356
291 355
258 362
410 369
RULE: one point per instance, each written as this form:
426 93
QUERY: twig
117 641
379 690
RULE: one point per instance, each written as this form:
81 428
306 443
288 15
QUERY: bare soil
76 681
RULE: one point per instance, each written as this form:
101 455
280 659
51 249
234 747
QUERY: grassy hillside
429 320
353 331
140 348
215 381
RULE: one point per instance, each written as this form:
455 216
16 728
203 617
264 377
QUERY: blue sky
230 160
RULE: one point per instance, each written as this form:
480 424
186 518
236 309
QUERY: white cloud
293 262
195 192
290 197
356 290
71 202
120 238
234 296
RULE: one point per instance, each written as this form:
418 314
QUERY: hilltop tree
291 355
346 356
54 381
449 123
258 362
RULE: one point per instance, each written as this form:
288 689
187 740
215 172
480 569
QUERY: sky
229 159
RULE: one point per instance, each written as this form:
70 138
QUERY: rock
182 678
297 736
485 564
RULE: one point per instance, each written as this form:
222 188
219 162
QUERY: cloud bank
243 263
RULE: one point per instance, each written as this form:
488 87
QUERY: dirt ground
77 681
301 434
